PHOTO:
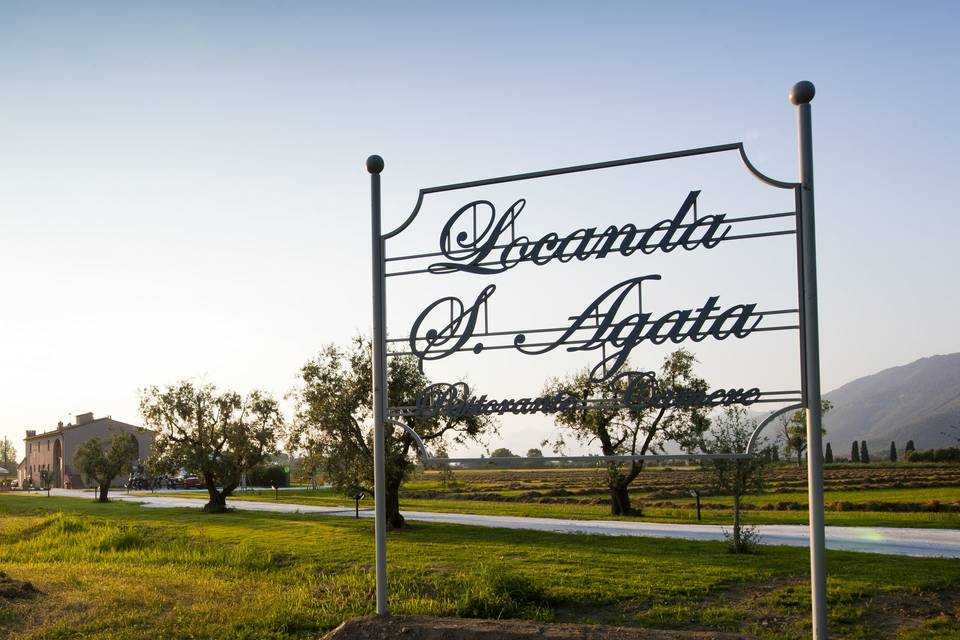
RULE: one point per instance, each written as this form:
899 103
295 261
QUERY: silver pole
801 94
379 360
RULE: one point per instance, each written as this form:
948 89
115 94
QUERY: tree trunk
799 457
218 500
228 490
102 490
394 519
620 500
737 540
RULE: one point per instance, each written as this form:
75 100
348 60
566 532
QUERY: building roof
67 427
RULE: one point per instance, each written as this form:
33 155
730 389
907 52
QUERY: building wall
41 448
40 456
104 429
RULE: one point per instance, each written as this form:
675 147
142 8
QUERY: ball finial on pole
374 164
802 92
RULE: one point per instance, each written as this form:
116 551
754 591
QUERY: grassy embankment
122 571
686 514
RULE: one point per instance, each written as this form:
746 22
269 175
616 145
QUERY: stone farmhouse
54 450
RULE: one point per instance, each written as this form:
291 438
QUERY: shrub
950 454
749 538
272 476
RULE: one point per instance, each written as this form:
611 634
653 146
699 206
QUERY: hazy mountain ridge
916 401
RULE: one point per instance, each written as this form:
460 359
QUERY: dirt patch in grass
11 589
748 600
428 628
892 612
748 592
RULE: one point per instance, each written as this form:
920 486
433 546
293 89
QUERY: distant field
855 495
119 571
666 482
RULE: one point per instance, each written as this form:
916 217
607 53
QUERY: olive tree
793 430
102 462
217 435
334 420
630 430
730 432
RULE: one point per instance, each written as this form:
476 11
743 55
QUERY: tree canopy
793 430
216 435
8 455
102 462
623 430
334 420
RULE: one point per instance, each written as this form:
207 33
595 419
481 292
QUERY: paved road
887 540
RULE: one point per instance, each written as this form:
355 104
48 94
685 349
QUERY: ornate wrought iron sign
479 240
640 392
484 238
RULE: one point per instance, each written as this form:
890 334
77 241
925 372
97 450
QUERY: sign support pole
379 362
800 95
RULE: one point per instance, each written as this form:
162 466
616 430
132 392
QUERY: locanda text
495 248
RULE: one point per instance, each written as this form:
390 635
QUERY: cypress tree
864 454
854 452
893 452
909 447
828 456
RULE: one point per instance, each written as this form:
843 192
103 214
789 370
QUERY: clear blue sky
182 189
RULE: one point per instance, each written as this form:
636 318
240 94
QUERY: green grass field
123 571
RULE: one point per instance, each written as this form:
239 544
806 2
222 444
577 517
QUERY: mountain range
917 401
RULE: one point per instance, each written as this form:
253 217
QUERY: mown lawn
123 571
684 512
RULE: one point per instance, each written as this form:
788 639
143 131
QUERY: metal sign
482 238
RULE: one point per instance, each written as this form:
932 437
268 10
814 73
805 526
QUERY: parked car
190 482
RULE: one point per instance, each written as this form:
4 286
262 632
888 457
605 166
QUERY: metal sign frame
465 319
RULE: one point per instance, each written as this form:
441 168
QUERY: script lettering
493 246
642 391
609 327
450 337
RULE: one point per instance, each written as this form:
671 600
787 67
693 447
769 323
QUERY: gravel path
887 540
